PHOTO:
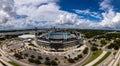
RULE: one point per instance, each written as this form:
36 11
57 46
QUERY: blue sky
79 4
92 5
96 14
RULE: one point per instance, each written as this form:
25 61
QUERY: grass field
14 64
103 58
94 55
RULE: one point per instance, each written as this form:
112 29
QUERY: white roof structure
26 36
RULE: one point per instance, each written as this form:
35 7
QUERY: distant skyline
81 14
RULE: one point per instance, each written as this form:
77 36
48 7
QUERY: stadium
59 40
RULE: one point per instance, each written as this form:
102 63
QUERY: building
59 39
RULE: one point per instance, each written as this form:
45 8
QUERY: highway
115 60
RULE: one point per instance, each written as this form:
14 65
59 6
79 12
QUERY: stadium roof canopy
26 36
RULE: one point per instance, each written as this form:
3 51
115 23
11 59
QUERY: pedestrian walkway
97 59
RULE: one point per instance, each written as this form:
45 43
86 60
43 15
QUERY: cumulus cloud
110 17
88 12
105 5
116 18
46 13
6 10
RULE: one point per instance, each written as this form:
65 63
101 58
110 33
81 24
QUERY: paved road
7 58
1 64
83 60
115 60
80 63
107 60
4 59
97 59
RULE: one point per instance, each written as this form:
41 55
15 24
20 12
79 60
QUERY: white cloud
107 17
110 17
6 10
116 18
88 12
46 13
105 5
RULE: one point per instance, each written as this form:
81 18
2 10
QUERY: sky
80 14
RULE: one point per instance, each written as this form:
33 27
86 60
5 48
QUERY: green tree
76 58
103 42
54 63
47 62
39 57
26 55
18 56
79 56
32 56
93 48
37 61
70 60
85 51
47 58
31 60
65 57
56 58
